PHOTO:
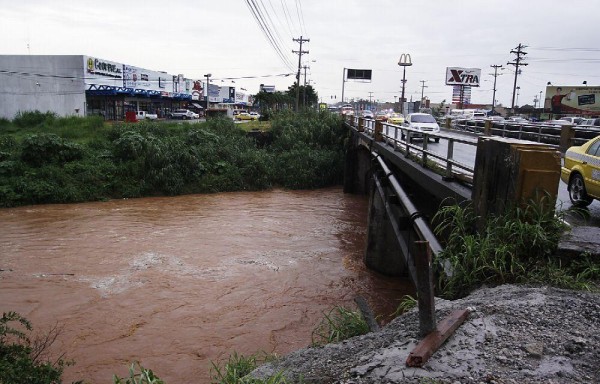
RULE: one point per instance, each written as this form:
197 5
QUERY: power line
255 10
300 16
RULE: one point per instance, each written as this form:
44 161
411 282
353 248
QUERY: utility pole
304 93
517 62
300 52
370 102
423 86
494 95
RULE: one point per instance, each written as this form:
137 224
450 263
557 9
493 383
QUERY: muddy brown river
178 282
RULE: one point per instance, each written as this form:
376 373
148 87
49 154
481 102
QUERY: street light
405 61
208 75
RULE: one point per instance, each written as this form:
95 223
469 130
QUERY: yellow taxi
395 118
581 172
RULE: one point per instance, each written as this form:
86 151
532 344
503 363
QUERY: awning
197 105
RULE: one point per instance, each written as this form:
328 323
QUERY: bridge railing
402 140
538 132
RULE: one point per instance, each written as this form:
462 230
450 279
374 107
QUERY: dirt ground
514 334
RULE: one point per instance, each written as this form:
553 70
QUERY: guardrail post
395 138
361 124
449 156
424 285
567 134
378 134
487 128
424 154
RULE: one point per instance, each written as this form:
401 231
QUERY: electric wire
256 13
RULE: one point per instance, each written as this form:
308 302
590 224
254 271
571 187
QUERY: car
381 116
581 172
421 123
184 114
572 120
396 118
367 114
255 115
243 116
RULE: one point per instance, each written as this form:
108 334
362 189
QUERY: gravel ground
514 334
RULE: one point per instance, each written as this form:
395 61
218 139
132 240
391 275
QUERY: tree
308 96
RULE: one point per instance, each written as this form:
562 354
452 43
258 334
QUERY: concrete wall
44 83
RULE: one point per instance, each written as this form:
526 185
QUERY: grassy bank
47 159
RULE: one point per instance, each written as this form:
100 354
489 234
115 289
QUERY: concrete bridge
408 180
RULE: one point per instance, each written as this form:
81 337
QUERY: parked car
581 172
396 118
572 120
367 114
184 114
244 116
422 123
143 115
255 115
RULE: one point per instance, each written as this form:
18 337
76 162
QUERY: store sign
463 76
104 68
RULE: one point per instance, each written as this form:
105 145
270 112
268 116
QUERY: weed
144 376
517 247
236 369
337 325
406 304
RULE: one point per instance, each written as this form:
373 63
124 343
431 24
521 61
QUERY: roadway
465 154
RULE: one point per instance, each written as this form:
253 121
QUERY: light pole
208 75
541 103
405 61
518 90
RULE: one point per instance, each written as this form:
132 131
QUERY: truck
143 115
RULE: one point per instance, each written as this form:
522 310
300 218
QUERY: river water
179 282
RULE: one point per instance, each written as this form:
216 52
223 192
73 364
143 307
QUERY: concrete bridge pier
357 168
386 253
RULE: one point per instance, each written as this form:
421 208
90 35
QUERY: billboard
359 74
139 78
573 100
463 76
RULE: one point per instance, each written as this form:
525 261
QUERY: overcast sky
224 38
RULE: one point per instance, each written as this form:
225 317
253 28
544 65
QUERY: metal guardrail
401 139
538 132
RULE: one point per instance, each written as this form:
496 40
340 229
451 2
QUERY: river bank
514 334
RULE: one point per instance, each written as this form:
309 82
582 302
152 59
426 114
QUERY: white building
86 85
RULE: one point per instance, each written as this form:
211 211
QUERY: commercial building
85 85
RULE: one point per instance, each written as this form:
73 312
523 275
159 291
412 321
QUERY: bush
31 119
22 359
338 325
46 148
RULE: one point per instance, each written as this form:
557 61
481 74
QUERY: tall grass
49 159
337 325
236 369
516 247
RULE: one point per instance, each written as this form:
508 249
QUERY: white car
184 114
421 123
367 114
255 115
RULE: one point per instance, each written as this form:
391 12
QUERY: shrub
22 360
45 148
31 119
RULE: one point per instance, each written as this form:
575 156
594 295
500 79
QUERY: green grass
237 367
337 325
517 247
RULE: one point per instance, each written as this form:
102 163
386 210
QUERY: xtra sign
463 76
